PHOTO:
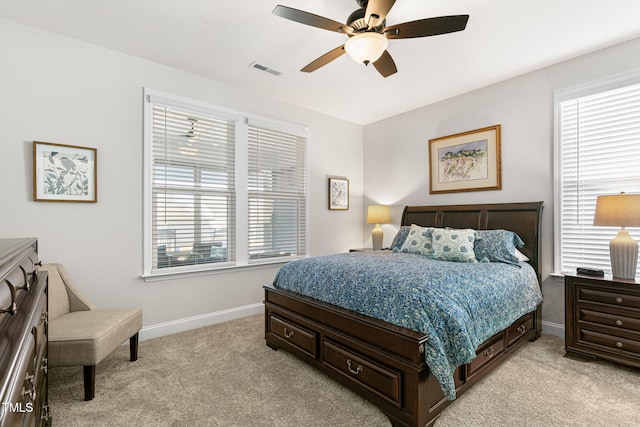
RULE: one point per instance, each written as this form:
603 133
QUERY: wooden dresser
23 335
602 318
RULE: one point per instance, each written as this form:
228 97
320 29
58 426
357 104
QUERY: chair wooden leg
89 381
133 347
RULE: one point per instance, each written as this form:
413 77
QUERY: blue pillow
401 236
497 246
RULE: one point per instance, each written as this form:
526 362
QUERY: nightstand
602 319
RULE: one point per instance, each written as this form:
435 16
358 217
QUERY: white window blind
222 189
599 151
193 188
277 193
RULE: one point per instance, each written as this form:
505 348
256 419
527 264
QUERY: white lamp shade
366 48
378 214
619 210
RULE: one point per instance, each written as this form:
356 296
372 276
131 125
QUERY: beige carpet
225 375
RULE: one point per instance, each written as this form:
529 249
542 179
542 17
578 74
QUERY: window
277 199
221 189
597 153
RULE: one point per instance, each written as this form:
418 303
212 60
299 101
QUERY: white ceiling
220 39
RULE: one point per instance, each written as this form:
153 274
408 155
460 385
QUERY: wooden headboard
523 219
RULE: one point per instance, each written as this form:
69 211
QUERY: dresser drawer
8 297
608 319
614 298
611 341
485 354
20 391
300 337
22 276
23 336
29 269
17 278
519 328
380 379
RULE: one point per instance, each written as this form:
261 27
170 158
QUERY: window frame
241 119
620 80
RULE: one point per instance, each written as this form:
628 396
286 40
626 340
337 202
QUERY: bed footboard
382 362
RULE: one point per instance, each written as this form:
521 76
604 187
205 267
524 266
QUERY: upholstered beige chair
80 335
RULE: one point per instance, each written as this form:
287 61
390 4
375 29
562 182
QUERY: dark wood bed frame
385 363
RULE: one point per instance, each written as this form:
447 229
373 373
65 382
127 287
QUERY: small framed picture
338 194
64 173
468 161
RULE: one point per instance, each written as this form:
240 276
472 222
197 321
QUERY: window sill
209 271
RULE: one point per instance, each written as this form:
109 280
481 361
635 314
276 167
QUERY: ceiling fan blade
427 27
311 19
377 11
385 65
324 59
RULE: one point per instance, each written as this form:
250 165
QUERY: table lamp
620 210
378 214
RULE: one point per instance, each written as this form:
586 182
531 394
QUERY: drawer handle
29 390
522 329
45 413
287 333
29 379
619 322
27 284
619 344
619 300
488 353
29 394
13 308
354 371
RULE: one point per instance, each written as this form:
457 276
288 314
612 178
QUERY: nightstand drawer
613 342
614 298
607 319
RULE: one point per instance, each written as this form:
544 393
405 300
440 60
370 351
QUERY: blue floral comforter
457 305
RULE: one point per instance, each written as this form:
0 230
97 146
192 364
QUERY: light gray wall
60 90
396 168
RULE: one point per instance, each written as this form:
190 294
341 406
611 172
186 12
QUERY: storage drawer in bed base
298 336
380 379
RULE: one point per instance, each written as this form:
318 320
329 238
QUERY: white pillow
418 241
453 245
521 257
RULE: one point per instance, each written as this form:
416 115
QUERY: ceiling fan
368 34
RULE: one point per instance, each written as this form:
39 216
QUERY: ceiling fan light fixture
366 48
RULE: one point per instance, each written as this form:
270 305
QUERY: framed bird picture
64 173
338 194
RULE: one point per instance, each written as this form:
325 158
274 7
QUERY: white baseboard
551 328
181 325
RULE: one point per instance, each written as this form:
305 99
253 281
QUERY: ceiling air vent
265 69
